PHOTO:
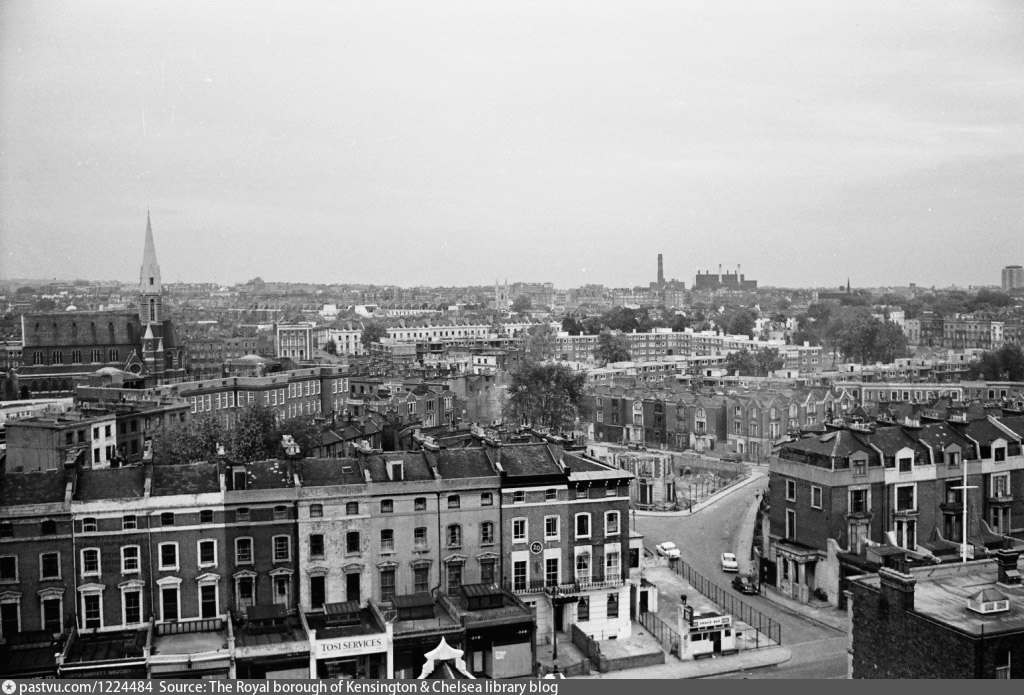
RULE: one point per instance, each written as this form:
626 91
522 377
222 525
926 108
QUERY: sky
417 143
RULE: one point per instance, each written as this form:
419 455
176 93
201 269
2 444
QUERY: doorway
352 587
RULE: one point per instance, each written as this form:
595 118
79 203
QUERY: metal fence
661 630
737 607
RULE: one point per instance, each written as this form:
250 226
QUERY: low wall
602 664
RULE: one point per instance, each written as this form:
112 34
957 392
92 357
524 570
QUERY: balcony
577 586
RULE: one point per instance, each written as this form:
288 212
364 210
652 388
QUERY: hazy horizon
401 144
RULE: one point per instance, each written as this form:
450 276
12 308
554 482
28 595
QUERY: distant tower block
661 270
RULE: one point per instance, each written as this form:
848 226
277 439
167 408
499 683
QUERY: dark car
744 585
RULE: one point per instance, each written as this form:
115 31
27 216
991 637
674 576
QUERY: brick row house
270 569
848 500
752 424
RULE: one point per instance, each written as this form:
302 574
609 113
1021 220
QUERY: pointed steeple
149 277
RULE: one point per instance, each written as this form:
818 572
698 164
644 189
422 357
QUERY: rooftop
942 593
111 483
185 479
32 488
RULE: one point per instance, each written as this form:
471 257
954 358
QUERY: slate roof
1014 422
522 460
322 472
111 483
414 466
32 488
462 463
268 475
837 444
185 479
892 439
941 435
984 432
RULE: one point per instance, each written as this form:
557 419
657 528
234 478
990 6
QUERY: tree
254 436
760 363
540 342
611 348
1006 363
545 394
45 304
741 322
302 429
186 442
373 331
572 325
331 348
592 325
680 323
521 303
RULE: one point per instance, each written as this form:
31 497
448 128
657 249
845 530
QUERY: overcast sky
456 143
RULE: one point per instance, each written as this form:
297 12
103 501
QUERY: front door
643 601
352 587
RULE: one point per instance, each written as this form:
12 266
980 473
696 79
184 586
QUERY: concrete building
1013 277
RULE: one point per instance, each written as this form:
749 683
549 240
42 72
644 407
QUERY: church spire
150 289
149 277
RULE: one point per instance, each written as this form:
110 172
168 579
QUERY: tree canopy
540 342
373 331
759 363
545 394
1006 363
611 348
522 303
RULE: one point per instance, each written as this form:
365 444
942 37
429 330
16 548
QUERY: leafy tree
1006 363
185 442
611 348
741 322
572 325
760 363
45 304
592 325
255 435
621 319
331 348
303 430
373 331
680 323
545 394
522 303
540 342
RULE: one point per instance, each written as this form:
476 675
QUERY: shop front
271 643
350 642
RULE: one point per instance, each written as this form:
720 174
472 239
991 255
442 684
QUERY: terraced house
352 567
849 500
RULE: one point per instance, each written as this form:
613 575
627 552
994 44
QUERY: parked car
667 549
745 584
729 563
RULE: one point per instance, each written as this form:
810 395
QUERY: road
819 651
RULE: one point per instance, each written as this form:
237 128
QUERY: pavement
819 612
673 668
755 475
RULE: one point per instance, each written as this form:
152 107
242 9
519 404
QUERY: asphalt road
819 651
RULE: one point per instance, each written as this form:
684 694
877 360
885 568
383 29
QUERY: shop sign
716 621
340 647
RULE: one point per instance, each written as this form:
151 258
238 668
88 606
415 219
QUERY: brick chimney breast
1009 575
897 588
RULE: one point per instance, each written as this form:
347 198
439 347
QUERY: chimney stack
1009 575
897 588
661 271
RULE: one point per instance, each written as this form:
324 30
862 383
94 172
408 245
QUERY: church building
124 347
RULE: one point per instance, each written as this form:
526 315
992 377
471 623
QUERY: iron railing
737 607
661 630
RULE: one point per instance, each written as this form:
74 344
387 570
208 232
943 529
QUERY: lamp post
554 630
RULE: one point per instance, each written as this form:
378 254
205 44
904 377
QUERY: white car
668 549
729 563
